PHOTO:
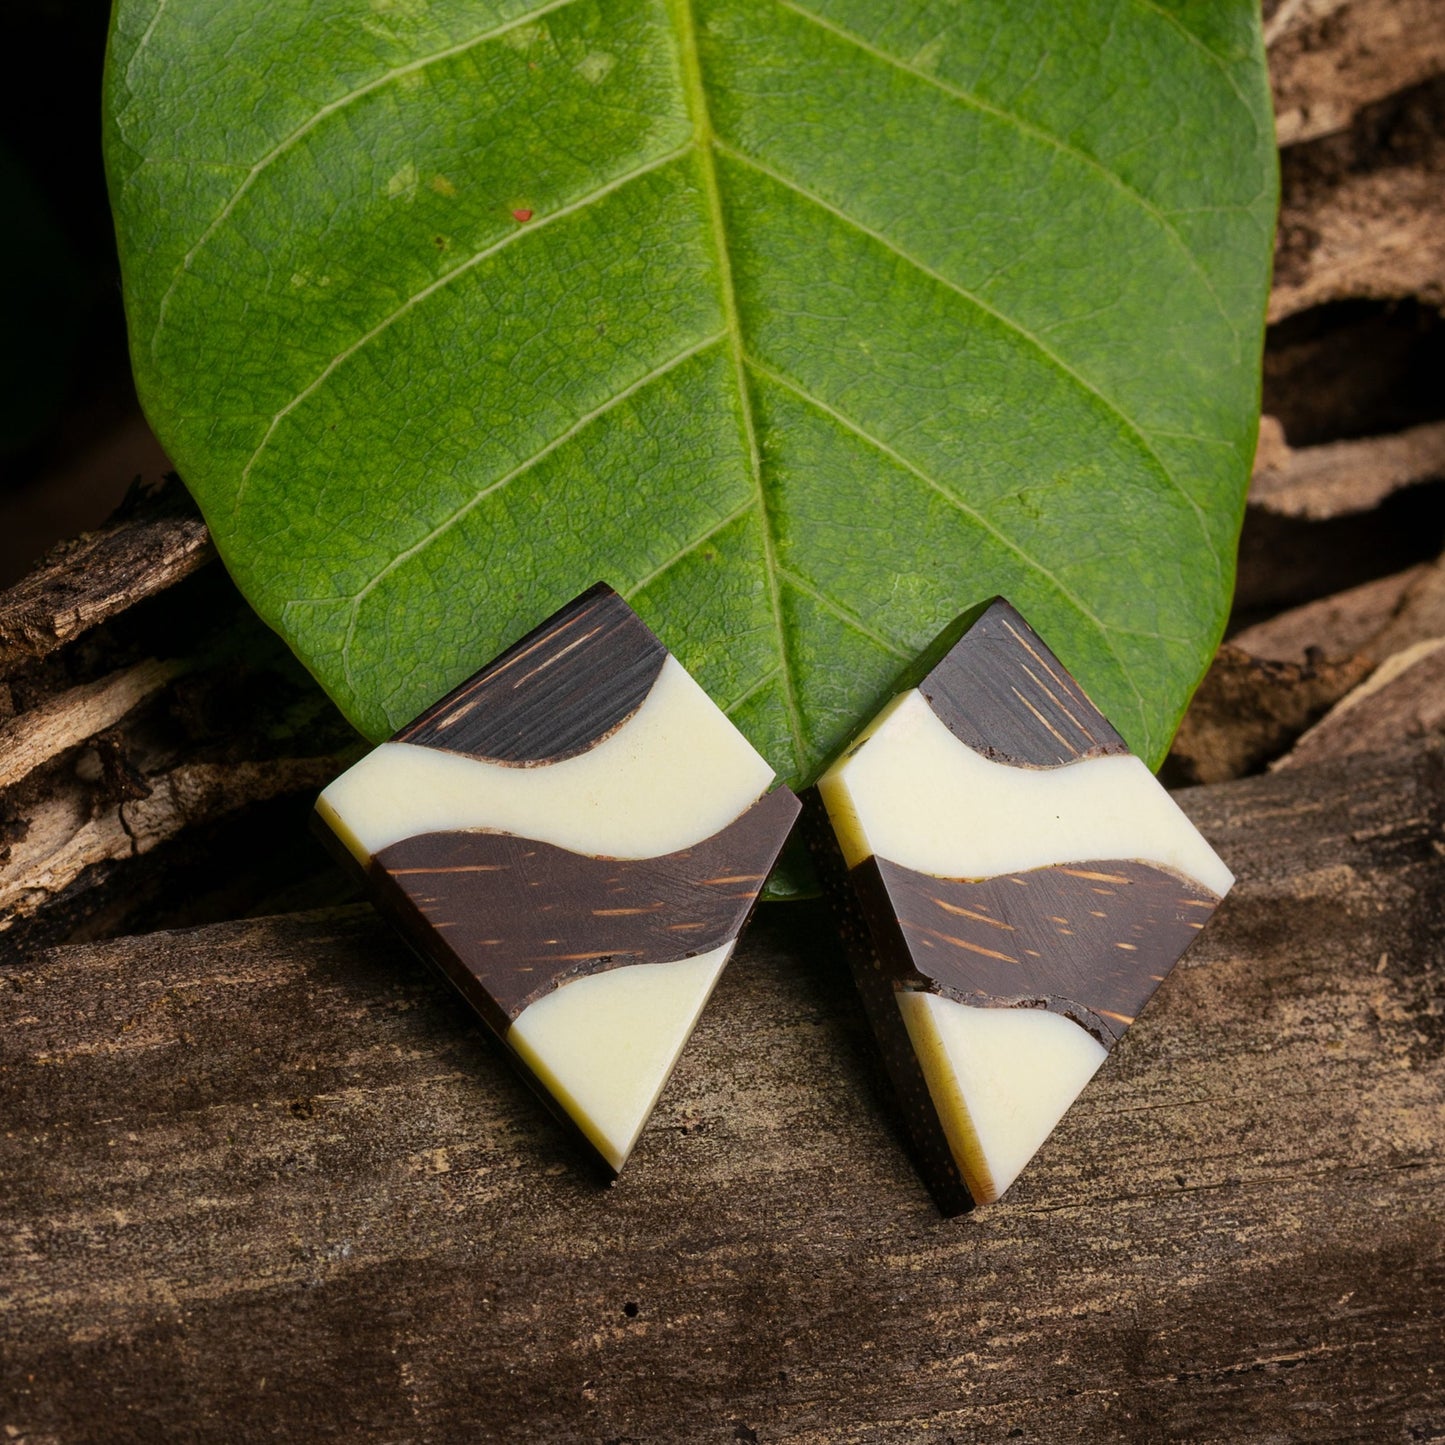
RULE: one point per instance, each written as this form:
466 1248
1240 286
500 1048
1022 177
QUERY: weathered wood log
1404 698
153 542
1342 478
146 707
1361 212
1420 613
64 839
70 718
1351 621
1286 562
1329 59
1270 684
1249 710
264 1180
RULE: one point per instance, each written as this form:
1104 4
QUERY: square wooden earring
575 836
1012 886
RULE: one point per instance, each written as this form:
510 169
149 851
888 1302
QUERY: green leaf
805 325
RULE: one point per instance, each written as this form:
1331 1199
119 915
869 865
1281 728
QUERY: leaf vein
344 355
582 422
1015 326
315 119
1224 66
849 619
690 547
145 38
966 97
949 495
752 689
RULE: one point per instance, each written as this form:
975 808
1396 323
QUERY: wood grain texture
1344 478
571 682
1249 710
1091 941
70 718
1362 212
151 544
508 919
264 1181
149 724
1330 59
1000 691
1403 698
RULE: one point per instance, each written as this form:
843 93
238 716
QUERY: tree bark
264 1180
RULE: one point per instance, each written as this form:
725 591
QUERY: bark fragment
1402 700
1346 477
154 541
1363 213
1248 711
1330 59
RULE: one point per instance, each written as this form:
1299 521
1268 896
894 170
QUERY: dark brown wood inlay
1091 940
1004 694
509 918
877 956
561 690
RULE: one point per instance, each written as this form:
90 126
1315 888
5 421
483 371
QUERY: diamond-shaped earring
575 836
1013 885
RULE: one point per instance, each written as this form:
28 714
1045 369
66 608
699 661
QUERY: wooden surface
264 1180
151 544
146 719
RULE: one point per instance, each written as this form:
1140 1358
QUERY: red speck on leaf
521 215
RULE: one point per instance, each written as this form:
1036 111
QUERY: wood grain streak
265 1181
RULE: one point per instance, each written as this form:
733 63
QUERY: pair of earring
577 835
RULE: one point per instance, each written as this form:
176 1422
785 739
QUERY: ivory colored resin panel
619 798
575 836
917 795
1016 885
1000 1079
604 1044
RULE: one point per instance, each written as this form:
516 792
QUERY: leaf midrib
703 136
708 147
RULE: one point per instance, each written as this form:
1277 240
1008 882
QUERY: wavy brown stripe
518 917
1091 940
558 692
1002 692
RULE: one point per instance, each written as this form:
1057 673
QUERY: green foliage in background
804 325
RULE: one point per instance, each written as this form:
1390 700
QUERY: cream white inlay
604 1045
674 773
1000 1078
911 792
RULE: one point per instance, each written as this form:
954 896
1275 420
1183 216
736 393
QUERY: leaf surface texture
805 326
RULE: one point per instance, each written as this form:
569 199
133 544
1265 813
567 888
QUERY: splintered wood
80 584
